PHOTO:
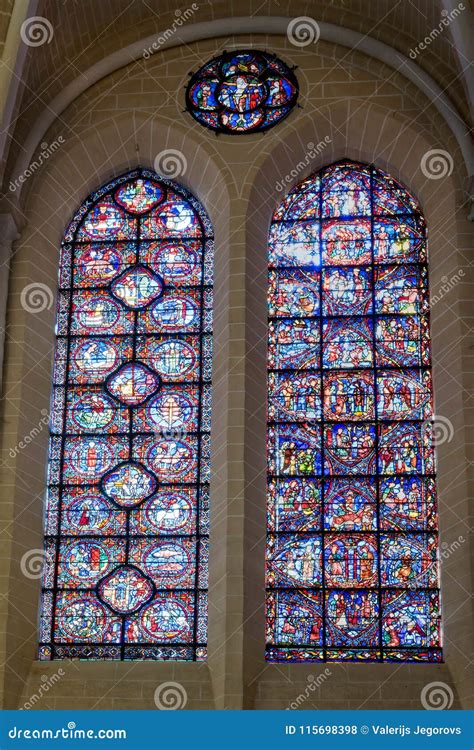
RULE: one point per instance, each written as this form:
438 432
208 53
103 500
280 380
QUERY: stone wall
357 108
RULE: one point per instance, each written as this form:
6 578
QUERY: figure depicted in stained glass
96 264
294 293
349 395
411 619
408 560
137 287
242 91
294 504
347 290
347 342
345 243
173 359
128 497
96 357
295 618
167 619
294 562
125 590
350 561
295 450
296 398
294 345
81 618
408 503
350 504
351 618
400 289
350 448
169 512
404 394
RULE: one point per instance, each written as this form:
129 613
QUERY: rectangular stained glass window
352 572
127 516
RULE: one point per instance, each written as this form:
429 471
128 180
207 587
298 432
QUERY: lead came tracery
352 521
127 507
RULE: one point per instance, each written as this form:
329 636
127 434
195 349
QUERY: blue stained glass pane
352 572
127 517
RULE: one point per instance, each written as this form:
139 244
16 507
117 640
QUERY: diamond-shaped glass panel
139 196
137 287
125 590
133 383
129 484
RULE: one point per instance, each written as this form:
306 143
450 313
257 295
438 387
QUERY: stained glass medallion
243 91
127 505
133 383
352 571
125 590
129 484
137 287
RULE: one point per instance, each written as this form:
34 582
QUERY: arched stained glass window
352 522
127 504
